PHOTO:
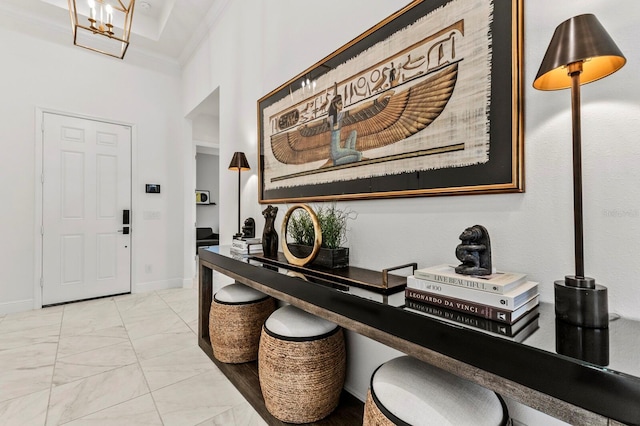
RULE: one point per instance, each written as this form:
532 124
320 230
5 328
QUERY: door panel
72 254
72 185
87 185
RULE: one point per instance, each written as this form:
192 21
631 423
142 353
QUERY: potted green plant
333 223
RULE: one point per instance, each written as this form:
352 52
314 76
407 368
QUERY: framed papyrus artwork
427 102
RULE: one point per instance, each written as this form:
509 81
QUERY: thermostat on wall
152 188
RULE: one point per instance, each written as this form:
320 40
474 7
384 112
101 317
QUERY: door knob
124 230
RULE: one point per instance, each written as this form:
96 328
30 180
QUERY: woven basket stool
406 391
301 365
235 320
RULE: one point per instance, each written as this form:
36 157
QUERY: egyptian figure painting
414 101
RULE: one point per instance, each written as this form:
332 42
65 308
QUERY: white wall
248 55
229 59
37 73
531 232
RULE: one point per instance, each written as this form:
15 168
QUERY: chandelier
103 26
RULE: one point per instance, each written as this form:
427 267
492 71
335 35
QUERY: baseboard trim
16 306
156 285
355 394
28 304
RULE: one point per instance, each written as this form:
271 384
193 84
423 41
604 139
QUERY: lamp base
580 301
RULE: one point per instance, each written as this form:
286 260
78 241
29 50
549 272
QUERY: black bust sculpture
474 252
249 228
269 235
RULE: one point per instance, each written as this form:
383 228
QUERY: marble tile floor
125 360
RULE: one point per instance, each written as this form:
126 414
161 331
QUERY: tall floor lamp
239 162
581 51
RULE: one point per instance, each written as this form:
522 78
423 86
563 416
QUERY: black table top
598 370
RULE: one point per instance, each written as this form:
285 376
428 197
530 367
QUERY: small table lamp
581 51
239 162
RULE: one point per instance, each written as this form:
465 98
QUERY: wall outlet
148 269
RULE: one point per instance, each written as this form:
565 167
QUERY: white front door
86 188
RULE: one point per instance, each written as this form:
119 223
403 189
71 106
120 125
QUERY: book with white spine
497 282
509 300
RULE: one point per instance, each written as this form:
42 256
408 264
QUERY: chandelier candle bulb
92 10
109 15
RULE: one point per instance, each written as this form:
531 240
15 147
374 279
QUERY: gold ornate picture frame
427 102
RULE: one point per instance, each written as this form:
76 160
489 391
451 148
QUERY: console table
531 372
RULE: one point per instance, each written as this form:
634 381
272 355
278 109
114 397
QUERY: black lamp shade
239 162
578 39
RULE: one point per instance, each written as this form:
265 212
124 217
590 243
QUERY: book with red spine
473 308
518 331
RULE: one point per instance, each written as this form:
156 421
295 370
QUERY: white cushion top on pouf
238 293
292 322
421 394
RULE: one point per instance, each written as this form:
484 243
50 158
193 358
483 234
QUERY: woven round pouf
235 320
301 365
406 391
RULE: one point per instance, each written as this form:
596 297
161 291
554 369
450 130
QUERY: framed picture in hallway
202 197
427 102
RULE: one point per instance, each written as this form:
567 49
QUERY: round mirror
317 239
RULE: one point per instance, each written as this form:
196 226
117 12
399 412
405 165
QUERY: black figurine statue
474 252
249 228
269 235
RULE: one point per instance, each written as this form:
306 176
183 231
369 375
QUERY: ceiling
163 29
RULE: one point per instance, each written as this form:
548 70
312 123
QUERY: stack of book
502 299
246 246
